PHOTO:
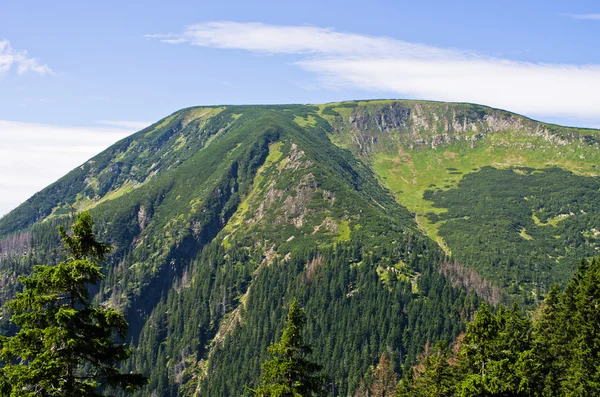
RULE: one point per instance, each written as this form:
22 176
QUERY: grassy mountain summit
389 220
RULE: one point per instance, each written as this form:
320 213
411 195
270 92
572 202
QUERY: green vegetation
220 215
523 228
410 173
507 354
283 240
65 346
417 148
289 373
382 380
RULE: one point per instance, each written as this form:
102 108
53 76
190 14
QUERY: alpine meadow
359 248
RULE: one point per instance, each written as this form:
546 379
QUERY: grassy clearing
308 121
551 221
523 233
409 173
180 142
84 203
201 113
343 231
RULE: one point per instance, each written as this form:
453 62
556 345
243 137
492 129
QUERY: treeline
505 353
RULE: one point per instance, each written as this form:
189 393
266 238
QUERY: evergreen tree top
65 346
290 373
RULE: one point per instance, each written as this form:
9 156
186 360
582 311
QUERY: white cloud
277 39
583 16
383 64
34 155
19 59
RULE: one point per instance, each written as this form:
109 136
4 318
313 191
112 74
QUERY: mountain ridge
218 215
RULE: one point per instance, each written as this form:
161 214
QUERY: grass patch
551 221
523 233
201 113
308 121
180 142
343 231
238 217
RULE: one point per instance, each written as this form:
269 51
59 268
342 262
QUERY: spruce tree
551 343
433 376
290 373
583 375
362 390
65 346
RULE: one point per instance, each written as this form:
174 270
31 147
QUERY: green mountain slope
432 156
220 215
314 224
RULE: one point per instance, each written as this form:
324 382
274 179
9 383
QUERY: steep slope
220 215
314 224
433 157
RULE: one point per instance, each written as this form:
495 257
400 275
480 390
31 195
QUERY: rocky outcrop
429 124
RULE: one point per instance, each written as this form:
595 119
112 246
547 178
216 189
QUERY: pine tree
65 346
477 351
290 373
551 343
507 354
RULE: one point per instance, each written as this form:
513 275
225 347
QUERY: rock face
429 124
387 118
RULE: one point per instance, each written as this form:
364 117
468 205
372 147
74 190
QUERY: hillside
508 196
389 220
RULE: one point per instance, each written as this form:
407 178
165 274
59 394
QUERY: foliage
217 215
507 354
352 319
289 373
433 376
213 236
65 346
524 228
436 158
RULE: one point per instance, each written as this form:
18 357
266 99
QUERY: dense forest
521 226
506 353
65 346
390 222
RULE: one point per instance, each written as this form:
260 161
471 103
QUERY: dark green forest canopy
524 228
506 353
220 215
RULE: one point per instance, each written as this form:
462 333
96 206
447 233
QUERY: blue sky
77 75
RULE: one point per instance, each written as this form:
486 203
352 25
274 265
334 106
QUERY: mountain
390 221
508 196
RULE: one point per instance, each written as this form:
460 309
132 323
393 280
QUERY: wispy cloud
10 58
383 64
34 155
127 124
583 16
